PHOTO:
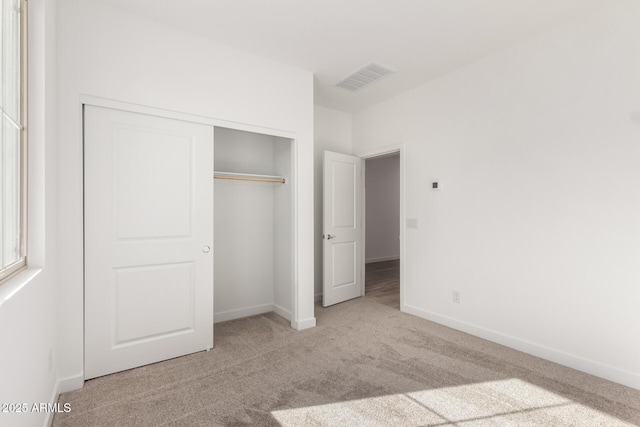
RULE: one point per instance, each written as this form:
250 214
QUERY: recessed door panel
164 293
344 268
343 181
154 192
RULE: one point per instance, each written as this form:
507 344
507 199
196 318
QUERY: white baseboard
620 376
48 420
304 324
317 297
381 259
281 312
242 312
63 385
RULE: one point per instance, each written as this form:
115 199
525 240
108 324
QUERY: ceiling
422 39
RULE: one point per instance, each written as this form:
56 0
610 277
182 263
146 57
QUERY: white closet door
148 239
342 228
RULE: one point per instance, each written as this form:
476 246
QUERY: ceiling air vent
364 76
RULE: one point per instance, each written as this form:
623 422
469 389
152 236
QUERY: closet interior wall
252 226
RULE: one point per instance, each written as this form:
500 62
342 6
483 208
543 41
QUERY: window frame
21 264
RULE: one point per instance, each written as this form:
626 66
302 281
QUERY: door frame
389 149
295 321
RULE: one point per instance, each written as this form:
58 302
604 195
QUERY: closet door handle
206 249
329 237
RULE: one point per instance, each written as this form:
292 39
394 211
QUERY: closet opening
382 228
253 224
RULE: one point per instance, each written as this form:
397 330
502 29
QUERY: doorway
345 224
382 228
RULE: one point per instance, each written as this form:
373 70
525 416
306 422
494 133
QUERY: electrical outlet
455 297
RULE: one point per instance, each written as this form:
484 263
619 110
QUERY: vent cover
365 76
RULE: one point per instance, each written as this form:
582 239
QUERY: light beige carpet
364 364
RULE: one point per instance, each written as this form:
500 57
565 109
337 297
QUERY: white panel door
342 225
148 200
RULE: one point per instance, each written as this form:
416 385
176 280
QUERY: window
12 138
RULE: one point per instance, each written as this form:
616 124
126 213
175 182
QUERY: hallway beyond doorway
382 282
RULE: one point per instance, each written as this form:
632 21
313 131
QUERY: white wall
104 52
332 132
28 312
382 207
537 150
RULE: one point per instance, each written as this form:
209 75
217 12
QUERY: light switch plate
412 222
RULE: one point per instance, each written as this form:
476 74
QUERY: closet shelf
248 177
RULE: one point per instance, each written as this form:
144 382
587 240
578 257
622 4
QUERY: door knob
206 249
329 237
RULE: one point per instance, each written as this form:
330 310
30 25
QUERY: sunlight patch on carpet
505 402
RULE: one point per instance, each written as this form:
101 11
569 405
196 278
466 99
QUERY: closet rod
248 177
